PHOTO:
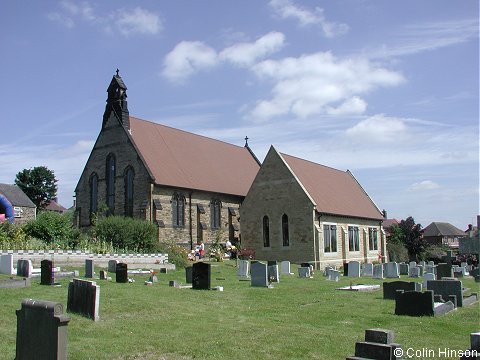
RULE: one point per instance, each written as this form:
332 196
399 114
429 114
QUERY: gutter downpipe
190 219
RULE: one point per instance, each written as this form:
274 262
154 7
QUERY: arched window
266 231
93 193
178 210
110 178
129 175
215 214
285 234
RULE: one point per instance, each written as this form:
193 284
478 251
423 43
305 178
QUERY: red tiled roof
334 191
56 207
388 223
182 159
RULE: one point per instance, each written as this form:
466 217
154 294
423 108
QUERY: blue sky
386 89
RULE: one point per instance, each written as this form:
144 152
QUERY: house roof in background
388 223
182 159
16 196
442 229
334 191
55 206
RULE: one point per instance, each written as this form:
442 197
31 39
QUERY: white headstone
6 264
333 275
412 264
426 277
243 268
414 272
285 267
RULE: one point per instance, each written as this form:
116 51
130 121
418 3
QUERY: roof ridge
184 131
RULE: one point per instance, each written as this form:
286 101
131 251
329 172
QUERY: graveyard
296 318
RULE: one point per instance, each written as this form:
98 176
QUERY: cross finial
246 141
118 71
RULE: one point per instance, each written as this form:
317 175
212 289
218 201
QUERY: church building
191 186
301 211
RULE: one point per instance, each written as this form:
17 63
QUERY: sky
386 89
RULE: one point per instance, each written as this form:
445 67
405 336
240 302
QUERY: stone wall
28 213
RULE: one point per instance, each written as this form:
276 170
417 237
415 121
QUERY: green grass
298 319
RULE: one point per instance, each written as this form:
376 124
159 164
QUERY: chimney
384 212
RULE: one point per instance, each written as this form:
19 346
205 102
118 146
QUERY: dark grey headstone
445 288
201 274
404 269
367 350
89 268
380 336
84 298
112 265
24 268
188 274
444 270
414 303
47 276
259 274
121 272
390 288
42 331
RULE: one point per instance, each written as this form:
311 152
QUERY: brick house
189 185
301 211
22 207
442 233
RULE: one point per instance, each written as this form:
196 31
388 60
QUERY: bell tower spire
117 102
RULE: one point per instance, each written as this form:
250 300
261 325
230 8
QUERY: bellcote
117 102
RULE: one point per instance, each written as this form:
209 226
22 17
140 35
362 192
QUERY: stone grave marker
333 275
103 275
391 270
89 268
84 298
367 269
378 271
189 274
353 269
445 288
6 264
273 274
304 272
259 274
378 344
112 265
24 268
431 269
414 272
285 268
121 271
412 264
391 288
47 276
403 268
415 303
201 273
42 331
444 270
427 277
243 269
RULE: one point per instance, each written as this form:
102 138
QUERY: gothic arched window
110 178
215 214
285 232
93 183
129 176
178 210
266 231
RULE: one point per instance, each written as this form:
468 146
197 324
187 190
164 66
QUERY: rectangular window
353 238
330 238
372 239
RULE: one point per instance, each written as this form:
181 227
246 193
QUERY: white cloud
187 58
312 84
424 185
351 106
138 21
287 9
378 128
245 54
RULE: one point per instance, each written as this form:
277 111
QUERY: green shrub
53 228
397 252
435 253
176 254
126 234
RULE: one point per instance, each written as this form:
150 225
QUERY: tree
39 184
412 238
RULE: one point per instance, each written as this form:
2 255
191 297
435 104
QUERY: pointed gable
181 159
333 191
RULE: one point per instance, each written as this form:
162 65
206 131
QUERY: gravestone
103 275
42 331
89 269
378 271
121 271
431 263
414 303
378 345
391 270
6 264
444 270
473 353
403 268
427 277
304 272
353 269
391 288
367 269
201 273
450 257
445 288
431 269
112 265
259 274
412 264
271 263
24 268
84 298
243 268
273 274
285 267
47 277
333 275
345 269
189 274
414 272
